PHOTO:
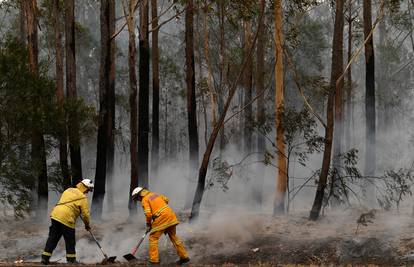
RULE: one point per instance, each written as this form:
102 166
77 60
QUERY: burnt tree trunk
191 98
370 116
155 148
60 95
111 106
73 124
133 92
143 99
38 152
336 72
104 119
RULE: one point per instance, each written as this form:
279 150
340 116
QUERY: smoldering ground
232 228
238 237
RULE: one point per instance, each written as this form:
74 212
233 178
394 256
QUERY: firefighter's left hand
87 227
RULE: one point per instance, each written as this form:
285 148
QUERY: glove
87 227
148 227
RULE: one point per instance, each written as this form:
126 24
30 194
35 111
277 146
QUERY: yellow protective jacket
156 209
72 203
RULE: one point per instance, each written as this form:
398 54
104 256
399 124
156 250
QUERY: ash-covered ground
234 238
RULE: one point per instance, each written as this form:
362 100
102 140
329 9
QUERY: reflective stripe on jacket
72 203
156 208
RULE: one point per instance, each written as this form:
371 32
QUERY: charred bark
104 120
191 98
155 148
38 152
133 92
143 99
111 106
336 72
73 124
370 115
60 95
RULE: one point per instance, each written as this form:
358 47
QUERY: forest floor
236 238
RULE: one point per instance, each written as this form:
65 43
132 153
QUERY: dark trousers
56 230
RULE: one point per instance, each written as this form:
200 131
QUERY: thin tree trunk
198 44
60 95
383 112
133 92
104 128
349 105
338 135
111 107
22 23
370 157
38 144
73 128
212 139
336 71
191 98
247 86
279 204
213 95
223 72
260 116
155 148
143 114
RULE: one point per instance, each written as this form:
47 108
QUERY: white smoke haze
230 222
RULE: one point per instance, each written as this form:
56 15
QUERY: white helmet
88 183
136 191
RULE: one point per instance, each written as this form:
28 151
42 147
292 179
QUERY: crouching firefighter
72 203
161 219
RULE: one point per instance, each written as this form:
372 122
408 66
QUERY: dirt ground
234 239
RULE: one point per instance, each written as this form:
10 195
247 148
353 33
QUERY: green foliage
393 6
220 174
341 178
346 181
396 186
24 100
301 136
27 102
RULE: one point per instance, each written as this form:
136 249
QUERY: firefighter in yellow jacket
160 219
72 203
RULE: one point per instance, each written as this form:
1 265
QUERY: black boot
45 260
183 261
71 260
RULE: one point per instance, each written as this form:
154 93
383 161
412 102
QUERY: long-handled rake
130 256
106 258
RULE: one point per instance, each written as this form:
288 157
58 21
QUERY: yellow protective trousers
153 244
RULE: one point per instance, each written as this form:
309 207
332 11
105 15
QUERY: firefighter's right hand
87 227
148 227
